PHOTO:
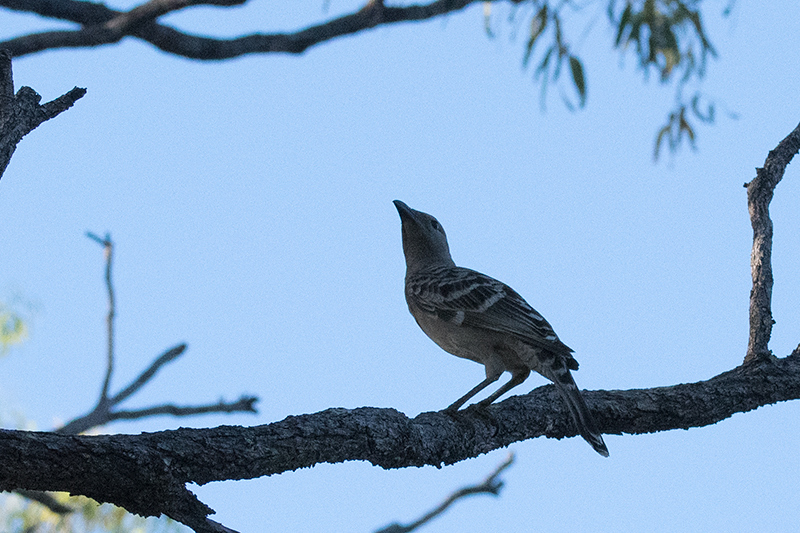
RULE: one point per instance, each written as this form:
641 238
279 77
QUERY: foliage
665 36
13 328
21 515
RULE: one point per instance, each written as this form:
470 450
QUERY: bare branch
243 404
153 9
96 17
21 113
167 357
108 253
490 485
100 417
759 196
104 412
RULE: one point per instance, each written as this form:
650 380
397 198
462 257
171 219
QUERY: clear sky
250 201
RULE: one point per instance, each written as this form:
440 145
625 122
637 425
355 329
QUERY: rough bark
146 474
759 195
21 113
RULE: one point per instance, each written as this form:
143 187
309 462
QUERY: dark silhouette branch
105 412
490 485
153 9
759 195
167 357
21 113
147 473
47 499
243 404
108 253
102 25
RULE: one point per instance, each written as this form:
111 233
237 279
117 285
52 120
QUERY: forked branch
21 113
105 411
491 485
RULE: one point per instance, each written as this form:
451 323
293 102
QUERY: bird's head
424 240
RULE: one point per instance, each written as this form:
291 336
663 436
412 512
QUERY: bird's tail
579 410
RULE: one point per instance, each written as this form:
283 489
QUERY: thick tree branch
759 196
153 9
102 25
147 473
21 113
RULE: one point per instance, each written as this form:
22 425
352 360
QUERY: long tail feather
579 410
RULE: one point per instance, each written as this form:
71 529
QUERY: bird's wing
467 298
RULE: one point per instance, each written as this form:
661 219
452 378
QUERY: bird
476 317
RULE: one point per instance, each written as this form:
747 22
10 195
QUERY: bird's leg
475 390
517 377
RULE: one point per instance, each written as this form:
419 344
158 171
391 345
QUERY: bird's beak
406 213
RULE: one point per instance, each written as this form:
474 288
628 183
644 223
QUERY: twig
108 253
104 411
168 356
243 404
490 485
759 195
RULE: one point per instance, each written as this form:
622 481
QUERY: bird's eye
434 224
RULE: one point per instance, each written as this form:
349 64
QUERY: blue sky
250 202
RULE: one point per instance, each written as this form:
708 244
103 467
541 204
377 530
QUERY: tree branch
759 196
21 113
167 357
108 253
104 412
46 499
100 28
153 9
243 404
490 485
147 473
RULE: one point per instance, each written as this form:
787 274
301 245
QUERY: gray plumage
473 316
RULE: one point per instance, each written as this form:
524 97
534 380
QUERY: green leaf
684 126
12 329
538 25
659 139
623 23
578 78
706 116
